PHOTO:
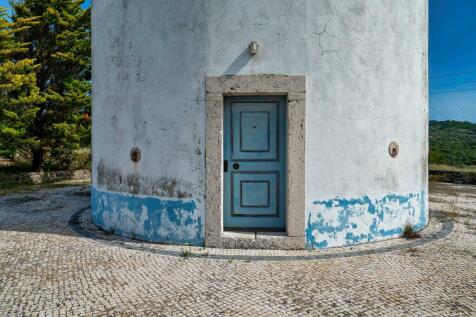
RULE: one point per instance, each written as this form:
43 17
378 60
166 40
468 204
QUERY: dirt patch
453 177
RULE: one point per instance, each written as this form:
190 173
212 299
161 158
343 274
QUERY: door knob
236 166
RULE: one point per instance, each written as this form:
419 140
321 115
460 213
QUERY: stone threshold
255 240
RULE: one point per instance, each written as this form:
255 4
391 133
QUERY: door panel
254 131
255 194
254 134
254 149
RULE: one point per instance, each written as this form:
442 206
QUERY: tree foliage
19 95
452 143
51 40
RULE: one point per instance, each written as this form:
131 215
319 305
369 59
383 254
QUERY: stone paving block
48 270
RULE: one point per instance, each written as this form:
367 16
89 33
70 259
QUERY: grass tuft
409 232
186 252
109 232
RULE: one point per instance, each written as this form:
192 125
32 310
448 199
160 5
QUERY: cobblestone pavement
46 269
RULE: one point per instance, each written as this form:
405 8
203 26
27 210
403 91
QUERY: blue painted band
348 221
165 220
333 222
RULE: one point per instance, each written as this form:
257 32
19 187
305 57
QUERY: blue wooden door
255 163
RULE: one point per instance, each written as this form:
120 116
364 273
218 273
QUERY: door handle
225 166
236 166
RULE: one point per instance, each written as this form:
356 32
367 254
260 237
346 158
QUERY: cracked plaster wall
366 69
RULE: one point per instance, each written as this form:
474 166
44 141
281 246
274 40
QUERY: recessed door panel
254 131
254 153
255 194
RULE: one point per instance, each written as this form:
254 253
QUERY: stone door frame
294 88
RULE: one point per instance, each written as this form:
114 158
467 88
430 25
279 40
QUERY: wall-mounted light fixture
253 48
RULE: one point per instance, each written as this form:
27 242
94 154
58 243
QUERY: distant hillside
452 143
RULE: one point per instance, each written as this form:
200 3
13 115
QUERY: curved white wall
366 70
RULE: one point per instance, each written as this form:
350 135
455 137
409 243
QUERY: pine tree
19 95
60 44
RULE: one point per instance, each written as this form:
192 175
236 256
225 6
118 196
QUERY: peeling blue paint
347 221
165 220
423 220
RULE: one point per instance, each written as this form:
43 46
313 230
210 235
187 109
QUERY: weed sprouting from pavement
409 232
186 252
109 232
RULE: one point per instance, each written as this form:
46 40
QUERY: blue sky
452 59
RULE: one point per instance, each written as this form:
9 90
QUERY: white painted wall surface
366 69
